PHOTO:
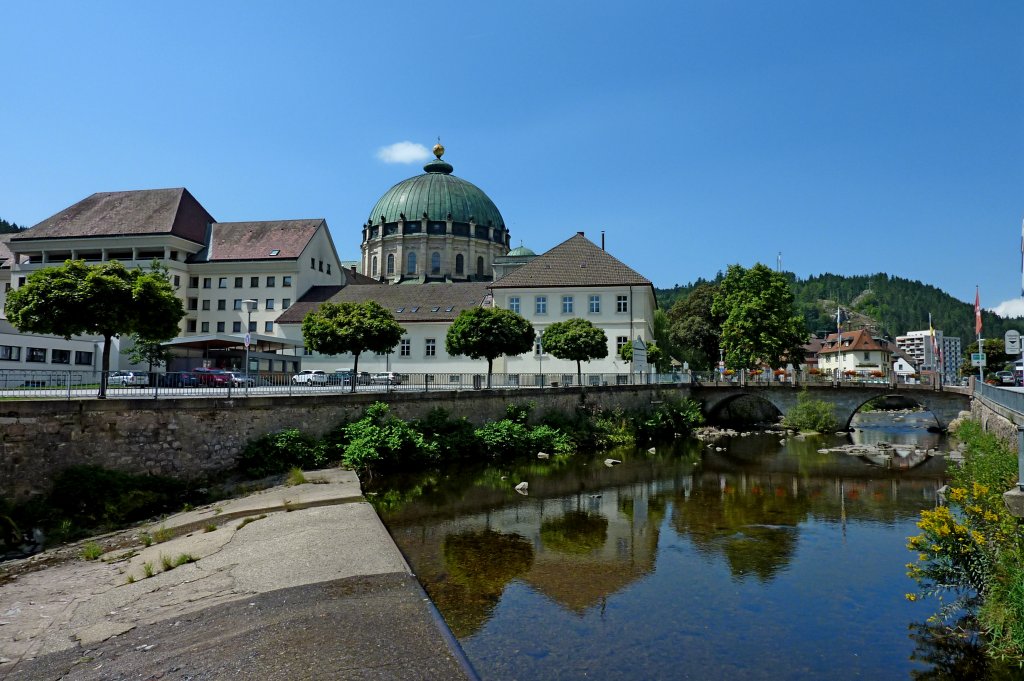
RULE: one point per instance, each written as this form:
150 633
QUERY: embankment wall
193 438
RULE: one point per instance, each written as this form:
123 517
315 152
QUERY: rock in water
652 450
611 462
543 455
523 488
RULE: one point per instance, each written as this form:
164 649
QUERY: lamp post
540 358
249 305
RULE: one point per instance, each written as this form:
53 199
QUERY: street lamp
250 304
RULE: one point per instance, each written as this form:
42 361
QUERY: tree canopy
694 328
489 332
761 324
106 299
575 339
337 328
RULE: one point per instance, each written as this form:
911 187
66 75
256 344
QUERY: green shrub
505 438
278 452
551 440
380 440
453 438
519 412
811 414
670 418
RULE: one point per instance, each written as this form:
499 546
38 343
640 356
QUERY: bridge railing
1010 399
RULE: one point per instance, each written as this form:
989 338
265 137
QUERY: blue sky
853 137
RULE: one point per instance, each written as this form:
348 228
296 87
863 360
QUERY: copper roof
575 262
853 341
269 240
147 211
420 303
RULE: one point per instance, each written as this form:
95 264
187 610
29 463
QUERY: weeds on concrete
146 538
184 559
166 562
250 519
210 528
162 534
130 580
91 551
287 504
147 570
295 477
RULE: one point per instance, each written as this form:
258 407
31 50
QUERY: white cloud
403 152
1014 307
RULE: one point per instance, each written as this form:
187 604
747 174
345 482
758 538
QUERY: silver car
310 377
128 379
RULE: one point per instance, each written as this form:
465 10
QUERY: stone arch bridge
945 404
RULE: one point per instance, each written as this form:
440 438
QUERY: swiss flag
977 312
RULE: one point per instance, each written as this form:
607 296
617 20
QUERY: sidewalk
298 582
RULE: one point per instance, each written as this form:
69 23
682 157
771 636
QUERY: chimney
580 233
602 239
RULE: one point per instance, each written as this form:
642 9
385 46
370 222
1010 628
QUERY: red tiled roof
853 341
260 240
575 262
147 211
414 303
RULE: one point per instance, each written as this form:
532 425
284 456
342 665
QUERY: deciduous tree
106 299
761 324
575 339
695 329
337 328
489 332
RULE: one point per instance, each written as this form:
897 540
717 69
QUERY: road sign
977 359
247 339
639 355
1012 341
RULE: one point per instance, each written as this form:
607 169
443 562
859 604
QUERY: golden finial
438 149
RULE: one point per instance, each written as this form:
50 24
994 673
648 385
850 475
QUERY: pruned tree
761 322
489 332
575 339
337 328
107 300
694 328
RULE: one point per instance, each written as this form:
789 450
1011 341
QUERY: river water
767 560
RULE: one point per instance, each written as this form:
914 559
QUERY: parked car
238 379
128 379
178 379
310 377
1005 377
344 377
215 378
387 378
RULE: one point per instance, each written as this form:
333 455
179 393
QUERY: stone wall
191 438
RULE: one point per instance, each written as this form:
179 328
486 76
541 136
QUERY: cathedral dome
436 195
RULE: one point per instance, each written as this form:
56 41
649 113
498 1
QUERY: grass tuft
295 477
91 551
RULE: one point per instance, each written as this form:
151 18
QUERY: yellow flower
911 597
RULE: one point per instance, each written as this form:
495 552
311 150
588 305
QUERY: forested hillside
891 306
9 227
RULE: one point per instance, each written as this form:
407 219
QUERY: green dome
520 251
439 194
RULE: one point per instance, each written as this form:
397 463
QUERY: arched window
411 269
374 267
435 263
480 266
391 263
458 264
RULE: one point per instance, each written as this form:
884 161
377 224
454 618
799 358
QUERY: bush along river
761 556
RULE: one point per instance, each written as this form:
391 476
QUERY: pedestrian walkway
296 582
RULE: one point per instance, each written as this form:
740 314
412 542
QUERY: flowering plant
780 372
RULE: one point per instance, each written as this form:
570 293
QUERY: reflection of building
918 344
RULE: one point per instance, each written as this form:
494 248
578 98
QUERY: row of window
236 327
254 282
12 353
540 304
430 345
238 304
435 264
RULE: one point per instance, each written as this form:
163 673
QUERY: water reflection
627 572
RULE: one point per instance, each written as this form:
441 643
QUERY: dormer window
399 309
415 309
275 252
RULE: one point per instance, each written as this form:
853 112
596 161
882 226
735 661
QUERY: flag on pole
1022 258
977 311
931 332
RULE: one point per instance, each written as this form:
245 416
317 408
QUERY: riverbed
753 557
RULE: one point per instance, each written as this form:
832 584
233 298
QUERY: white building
918 345
855 353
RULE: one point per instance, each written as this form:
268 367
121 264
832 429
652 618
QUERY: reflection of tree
479 566
577 532
953 654
756 531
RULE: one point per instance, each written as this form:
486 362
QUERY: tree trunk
490 361
579 374
105 367
355 371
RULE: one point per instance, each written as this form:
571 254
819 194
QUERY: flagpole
977 324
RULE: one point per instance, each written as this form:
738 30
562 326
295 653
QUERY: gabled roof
575 262
852 341
6 256
269 240
421 303
147 211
